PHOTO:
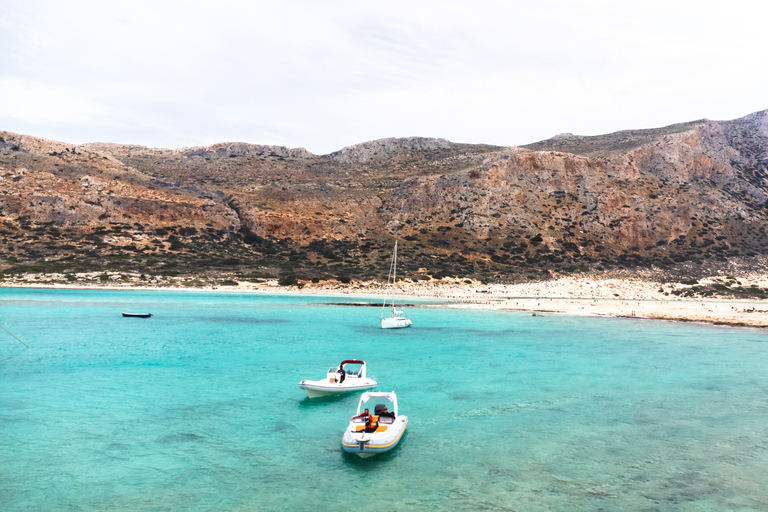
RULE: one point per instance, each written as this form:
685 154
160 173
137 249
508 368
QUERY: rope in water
14 337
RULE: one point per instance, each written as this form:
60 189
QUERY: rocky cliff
680 196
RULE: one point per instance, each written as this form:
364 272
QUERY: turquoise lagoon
198 408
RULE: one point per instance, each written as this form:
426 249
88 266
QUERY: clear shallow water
198 408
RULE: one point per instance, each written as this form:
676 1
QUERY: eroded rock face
676 191
43 197
50 182
646 196
382 148
239 149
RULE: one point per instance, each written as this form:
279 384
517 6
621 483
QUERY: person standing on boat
342 375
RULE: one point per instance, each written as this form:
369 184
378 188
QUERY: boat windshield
378 405
350 369
353 369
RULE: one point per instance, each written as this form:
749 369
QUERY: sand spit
571 295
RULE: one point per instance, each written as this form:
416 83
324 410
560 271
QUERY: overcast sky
328 74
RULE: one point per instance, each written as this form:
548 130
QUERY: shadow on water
316 402
118 447
178 438
283 426
374 329
358 304
374 462
488 334
241 320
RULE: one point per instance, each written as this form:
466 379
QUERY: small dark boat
138 315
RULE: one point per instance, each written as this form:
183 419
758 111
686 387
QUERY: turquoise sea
198 408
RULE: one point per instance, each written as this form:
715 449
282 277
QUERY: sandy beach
610 297
633 298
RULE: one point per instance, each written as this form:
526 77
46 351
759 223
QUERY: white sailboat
396 318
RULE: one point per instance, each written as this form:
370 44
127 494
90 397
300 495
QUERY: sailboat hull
395 323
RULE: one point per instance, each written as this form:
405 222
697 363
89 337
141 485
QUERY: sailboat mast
394 277
390 282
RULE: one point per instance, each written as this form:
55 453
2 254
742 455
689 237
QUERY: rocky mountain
680 198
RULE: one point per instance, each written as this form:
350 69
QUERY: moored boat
396 319
341 379
137 315
370 434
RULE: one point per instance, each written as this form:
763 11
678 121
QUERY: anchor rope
14 337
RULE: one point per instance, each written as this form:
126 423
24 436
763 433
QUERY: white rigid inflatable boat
340 380
371 434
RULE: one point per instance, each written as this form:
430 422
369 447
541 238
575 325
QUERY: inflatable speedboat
344 379
370 434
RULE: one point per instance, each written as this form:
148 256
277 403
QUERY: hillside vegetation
684 199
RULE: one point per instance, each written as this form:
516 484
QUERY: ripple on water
241 320
199 409
178 438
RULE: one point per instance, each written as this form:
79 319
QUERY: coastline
626 298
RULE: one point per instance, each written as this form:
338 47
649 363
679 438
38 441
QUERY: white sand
572 295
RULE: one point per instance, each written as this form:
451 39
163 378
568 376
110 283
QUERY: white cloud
40 103
327 74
